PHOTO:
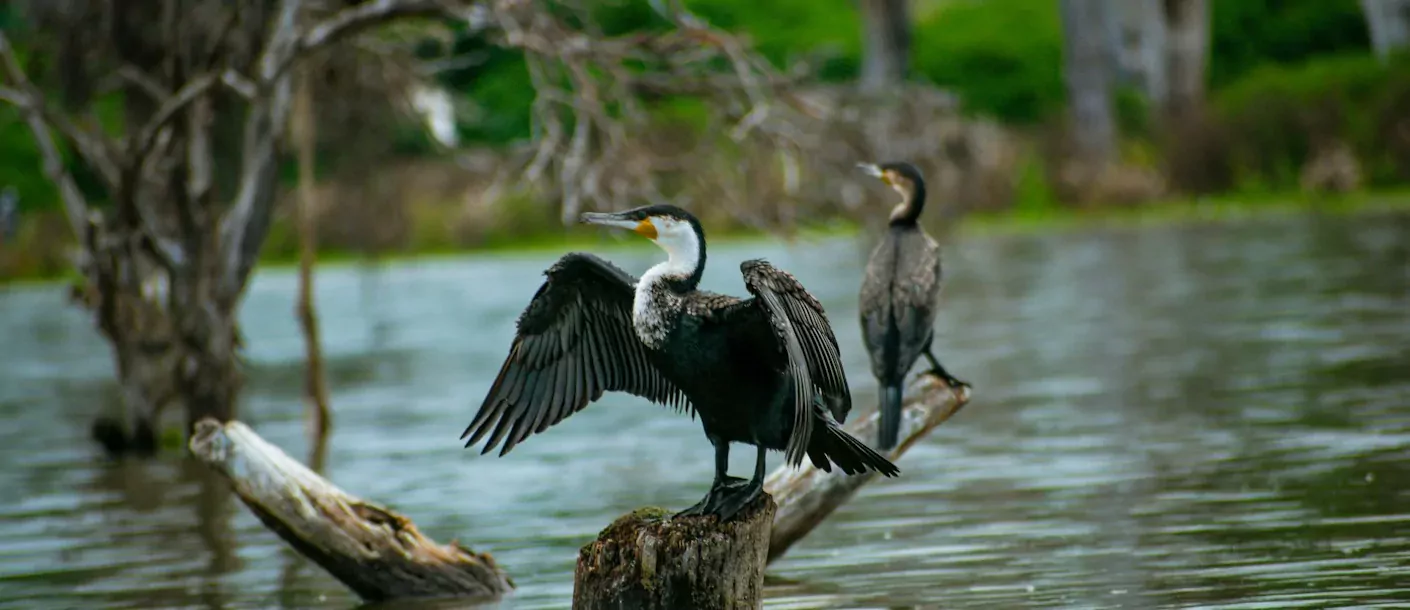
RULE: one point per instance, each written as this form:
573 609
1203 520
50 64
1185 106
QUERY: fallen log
806 495
377 553
638 561
648 560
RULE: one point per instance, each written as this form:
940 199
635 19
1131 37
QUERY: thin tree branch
244 227
75 205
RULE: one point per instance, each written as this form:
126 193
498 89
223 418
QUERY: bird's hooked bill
642 227
870 168
608 220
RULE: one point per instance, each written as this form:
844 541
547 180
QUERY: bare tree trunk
304 129
1086 70
1151 49
886 38
1389 24
1188 58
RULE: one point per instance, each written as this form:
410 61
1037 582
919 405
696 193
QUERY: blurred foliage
1281 70
1278 115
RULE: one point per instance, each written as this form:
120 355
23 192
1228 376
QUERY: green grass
1203 209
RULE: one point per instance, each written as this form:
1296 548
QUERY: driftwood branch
807 495
380 554
377 553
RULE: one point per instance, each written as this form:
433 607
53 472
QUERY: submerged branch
377 553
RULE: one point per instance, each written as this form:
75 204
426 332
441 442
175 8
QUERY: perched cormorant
897 304
763 371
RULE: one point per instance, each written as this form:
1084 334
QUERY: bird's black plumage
764 371
898 297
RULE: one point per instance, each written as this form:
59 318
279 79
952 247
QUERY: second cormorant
898 297
763 371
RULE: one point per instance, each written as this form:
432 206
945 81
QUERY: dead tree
380 555
165 266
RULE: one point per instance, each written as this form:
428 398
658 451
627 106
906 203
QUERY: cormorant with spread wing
899 292
763 371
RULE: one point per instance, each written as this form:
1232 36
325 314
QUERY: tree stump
648 560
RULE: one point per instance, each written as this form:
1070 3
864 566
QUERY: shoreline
1223 208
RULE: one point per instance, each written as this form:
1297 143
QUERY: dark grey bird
898 297
763 371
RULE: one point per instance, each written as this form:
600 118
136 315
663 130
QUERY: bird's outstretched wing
814 360
575 341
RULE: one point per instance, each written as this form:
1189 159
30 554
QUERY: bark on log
377 553
807 495
648 560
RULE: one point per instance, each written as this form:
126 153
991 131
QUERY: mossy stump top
646 559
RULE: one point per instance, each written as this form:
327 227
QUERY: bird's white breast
648 315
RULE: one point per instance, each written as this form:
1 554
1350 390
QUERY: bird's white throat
683 255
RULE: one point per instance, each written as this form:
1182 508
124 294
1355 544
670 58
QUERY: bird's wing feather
814 360
915 295
574 342
874 306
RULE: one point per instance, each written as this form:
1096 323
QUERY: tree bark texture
649 561
1087 73
1388 22
886 40
1188 56
376 552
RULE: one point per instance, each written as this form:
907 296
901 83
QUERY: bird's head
675 230
903 178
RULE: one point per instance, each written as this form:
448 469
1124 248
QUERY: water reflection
1209 414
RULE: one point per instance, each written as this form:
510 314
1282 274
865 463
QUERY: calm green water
1200 415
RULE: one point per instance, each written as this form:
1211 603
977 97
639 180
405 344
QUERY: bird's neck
683 267
907 213
660 288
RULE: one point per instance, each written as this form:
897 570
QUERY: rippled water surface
1206 414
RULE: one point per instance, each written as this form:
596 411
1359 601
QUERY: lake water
1203 414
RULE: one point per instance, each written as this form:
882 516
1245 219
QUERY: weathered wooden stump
648 560
377 553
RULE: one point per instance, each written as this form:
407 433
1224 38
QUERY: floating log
641 561
376 552
807 495
648 560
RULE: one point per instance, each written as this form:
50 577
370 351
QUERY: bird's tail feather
830 443
890 424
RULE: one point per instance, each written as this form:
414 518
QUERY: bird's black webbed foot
950 380
730 503
722 487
